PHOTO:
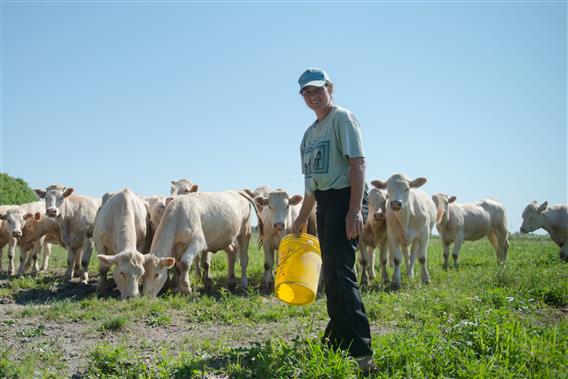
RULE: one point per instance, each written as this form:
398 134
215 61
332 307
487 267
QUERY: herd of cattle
141 238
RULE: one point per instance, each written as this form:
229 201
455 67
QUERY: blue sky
101 96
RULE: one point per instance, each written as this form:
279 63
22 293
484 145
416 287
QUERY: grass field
481 321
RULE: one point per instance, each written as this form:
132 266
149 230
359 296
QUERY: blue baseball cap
313 77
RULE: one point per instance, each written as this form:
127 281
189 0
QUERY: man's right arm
305 210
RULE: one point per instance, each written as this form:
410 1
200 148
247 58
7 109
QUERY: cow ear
27 216
40 193
418 182
378 184
37 216
452 199
194 188
168 262
3 216
261 201
68 191
543 207
295 200
435 200
108 260
249 192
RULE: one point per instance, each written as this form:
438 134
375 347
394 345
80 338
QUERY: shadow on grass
54 288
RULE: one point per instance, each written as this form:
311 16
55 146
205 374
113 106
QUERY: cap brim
315 83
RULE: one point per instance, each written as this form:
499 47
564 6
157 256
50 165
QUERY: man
333 165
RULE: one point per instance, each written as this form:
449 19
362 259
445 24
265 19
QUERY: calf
193 224
11 230
410 215
553 219
457 223
120 231
76 216
39 228
374 235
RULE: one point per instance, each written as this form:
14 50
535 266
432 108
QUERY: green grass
480 321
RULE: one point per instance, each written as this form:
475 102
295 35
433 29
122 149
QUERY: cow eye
156 275
123 274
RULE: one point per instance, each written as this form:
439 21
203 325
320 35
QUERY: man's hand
353 223
299 226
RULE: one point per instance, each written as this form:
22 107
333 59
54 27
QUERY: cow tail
249 198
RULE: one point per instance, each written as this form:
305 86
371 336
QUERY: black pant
348 327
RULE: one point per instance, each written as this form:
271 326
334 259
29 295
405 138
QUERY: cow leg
268 279
103 281
413 250
194 249
205 264
77 262
446 255
492 237
394 247
197 266
23 261
243 241
456 250
422 252
72 252
231 259
1 258
35 255
46 254
363 262
11 250
384 259
86 259
502 239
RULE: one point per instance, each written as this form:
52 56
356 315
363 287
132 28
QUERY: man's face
317 98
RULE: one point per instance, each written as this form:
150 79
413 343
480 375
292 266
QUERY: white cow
373 236
411 215
196 223
182 187
39 231
457 223
76 216
279 211
120 233
13 221
553 219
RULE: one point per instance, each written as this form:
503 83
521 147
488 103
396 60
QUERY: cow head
54 198
442 202
278 203
128 271
182 187
398 188
155 205
533 217
377 204
14 222
156 274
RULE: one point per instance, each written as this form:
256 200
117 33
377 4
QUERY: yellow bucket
299 264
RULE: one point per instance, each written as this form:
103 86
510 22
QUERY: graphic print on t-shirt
316 159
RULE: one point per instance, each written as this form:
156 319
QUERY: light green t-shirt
326 149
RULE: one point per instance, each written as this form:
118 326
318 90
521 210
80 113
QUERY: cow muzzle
396 205
523 230
378 216
17 233
51 212
278 226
